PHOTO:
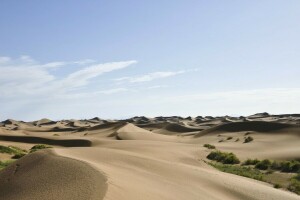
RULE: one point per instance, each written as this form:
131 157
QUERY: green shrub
263 165
276 165
239 170
223 157
248 139
229 138
38 147
238 139
221 140
286 166
8 150
294 186
251 162
18 155
209 146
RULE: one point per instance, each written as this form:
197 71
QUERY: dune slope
45 175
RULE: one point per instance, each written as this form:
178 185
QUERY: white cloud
150 76
24 77
4 60
84 62
157 86
81 77
113 91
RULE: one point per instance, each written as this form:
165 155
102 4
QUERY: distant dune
159 158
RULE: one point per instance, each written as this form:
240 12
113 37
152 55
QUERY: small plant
229 138
55 134
221 140
248 139
237 139
39 147
263 165
209 146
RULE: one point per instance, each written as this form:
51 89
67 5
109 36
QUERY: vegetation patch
223 157
294 186
250 162
263 165
240 170
278 173
229 138
39 147
4 164
292 166
18 152
248 139
209 146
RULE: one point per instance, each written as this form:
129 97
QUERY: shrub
229 138
209 146
248 139
38 147
221 140
18 155
4 149
276 165
286 166
251 162
277 185
238 139
55 134
294 186
225 158
263 165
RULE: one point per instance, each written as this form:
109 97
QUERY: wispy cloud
113 91
150 76
25 76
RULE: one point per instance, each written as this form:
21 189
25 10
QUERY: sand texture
143 158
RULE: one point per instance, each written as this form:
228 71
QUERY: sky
123 58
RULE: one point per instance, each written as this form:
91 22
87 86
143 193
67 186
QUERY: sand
144 158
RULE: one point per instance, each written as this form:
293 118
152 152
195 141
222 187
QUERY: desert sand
142 158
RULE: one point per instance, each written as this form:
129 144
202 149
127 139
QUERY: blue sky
117 59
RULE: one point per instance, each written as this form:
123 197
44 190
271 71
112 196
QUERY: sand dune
50 141
44 175
149 158
258 126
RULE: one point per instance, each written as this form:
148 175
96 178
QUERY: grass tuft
209 146
39 147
